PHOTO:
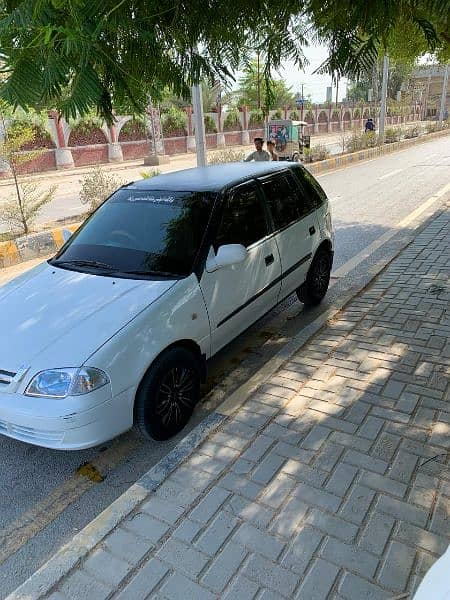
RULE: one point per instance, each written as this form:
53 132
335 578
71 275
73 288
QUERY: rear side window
311 187
243 218
281 193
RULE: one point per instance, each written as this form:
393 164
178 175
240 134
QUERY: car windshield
141 233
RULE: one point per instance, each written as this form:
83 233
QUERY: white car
115 331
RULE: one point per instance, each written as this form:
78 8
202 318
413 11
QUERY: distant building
425 86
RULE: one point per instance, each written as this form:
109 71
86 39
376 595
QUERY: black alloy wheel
317 281
168 394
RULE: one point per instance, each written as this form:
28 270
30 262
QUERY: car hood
52 317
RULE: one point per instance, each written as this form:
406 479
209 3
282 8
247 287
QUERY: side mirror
228 255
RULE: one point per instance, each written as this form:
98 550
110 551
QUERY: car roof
212 178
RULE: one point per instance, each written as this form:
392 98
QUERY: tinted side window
243 219
281 194
310 185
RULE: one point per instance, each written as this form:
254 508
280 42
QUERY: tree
398 75
21 211
74 55
248 93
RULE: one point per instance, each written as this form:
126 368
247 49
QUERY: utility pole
425 103
303 103
444 96
337 89
258 81
199 125
383 96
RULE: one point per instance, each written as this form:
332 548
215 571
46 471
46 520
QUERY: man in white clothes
259 153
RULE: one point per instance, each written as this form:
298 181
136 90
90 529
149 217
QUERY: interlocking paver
147 527
286 523
416 536
258 541
397 566
217 532
80 585
316 497
349 557
356 588
301 551
365 461
106 567
224 566
402 510
341 479
144 581
209 505
318 581
403 466
357 504
268 468
270 575
182 557
179 587
332 525
376 533
383 484
254 512
242 588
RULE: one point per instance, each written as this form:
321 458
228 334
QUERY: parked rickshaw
289 138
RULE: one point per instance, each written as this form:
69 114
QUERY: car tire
313 290
167 395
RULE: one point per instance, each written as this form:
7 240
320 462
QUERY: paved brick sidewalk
333 481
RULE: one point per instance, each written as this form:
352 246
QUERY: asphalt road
43 502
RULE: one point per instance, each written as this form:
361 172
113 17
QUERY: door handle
269 260
312 230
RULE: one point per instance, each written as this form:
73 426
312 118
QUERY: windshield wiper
152 273
84 263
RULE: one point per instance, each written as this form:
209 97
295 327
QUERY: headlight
59 383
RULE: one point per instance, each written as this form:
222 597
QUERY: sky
313 84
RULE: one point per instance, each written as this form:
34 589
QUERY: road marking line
371 248
428 156
33 521
391 173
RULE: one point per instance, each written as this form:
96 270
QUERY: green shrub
356 113
96 186
86 126
316 153
335 115
295 115
392 135
225 156
277 115
134 128
361 141
232 120
210 124
431 127
150 174
174 121
412 132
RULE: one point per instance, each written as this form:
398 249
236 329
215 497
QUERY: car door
296 228
238 295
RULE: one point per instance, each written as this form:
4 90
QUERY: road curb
35 245
49 241
58 566
361 155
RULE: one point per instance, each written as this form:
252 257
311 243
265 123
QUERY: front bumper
72 423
